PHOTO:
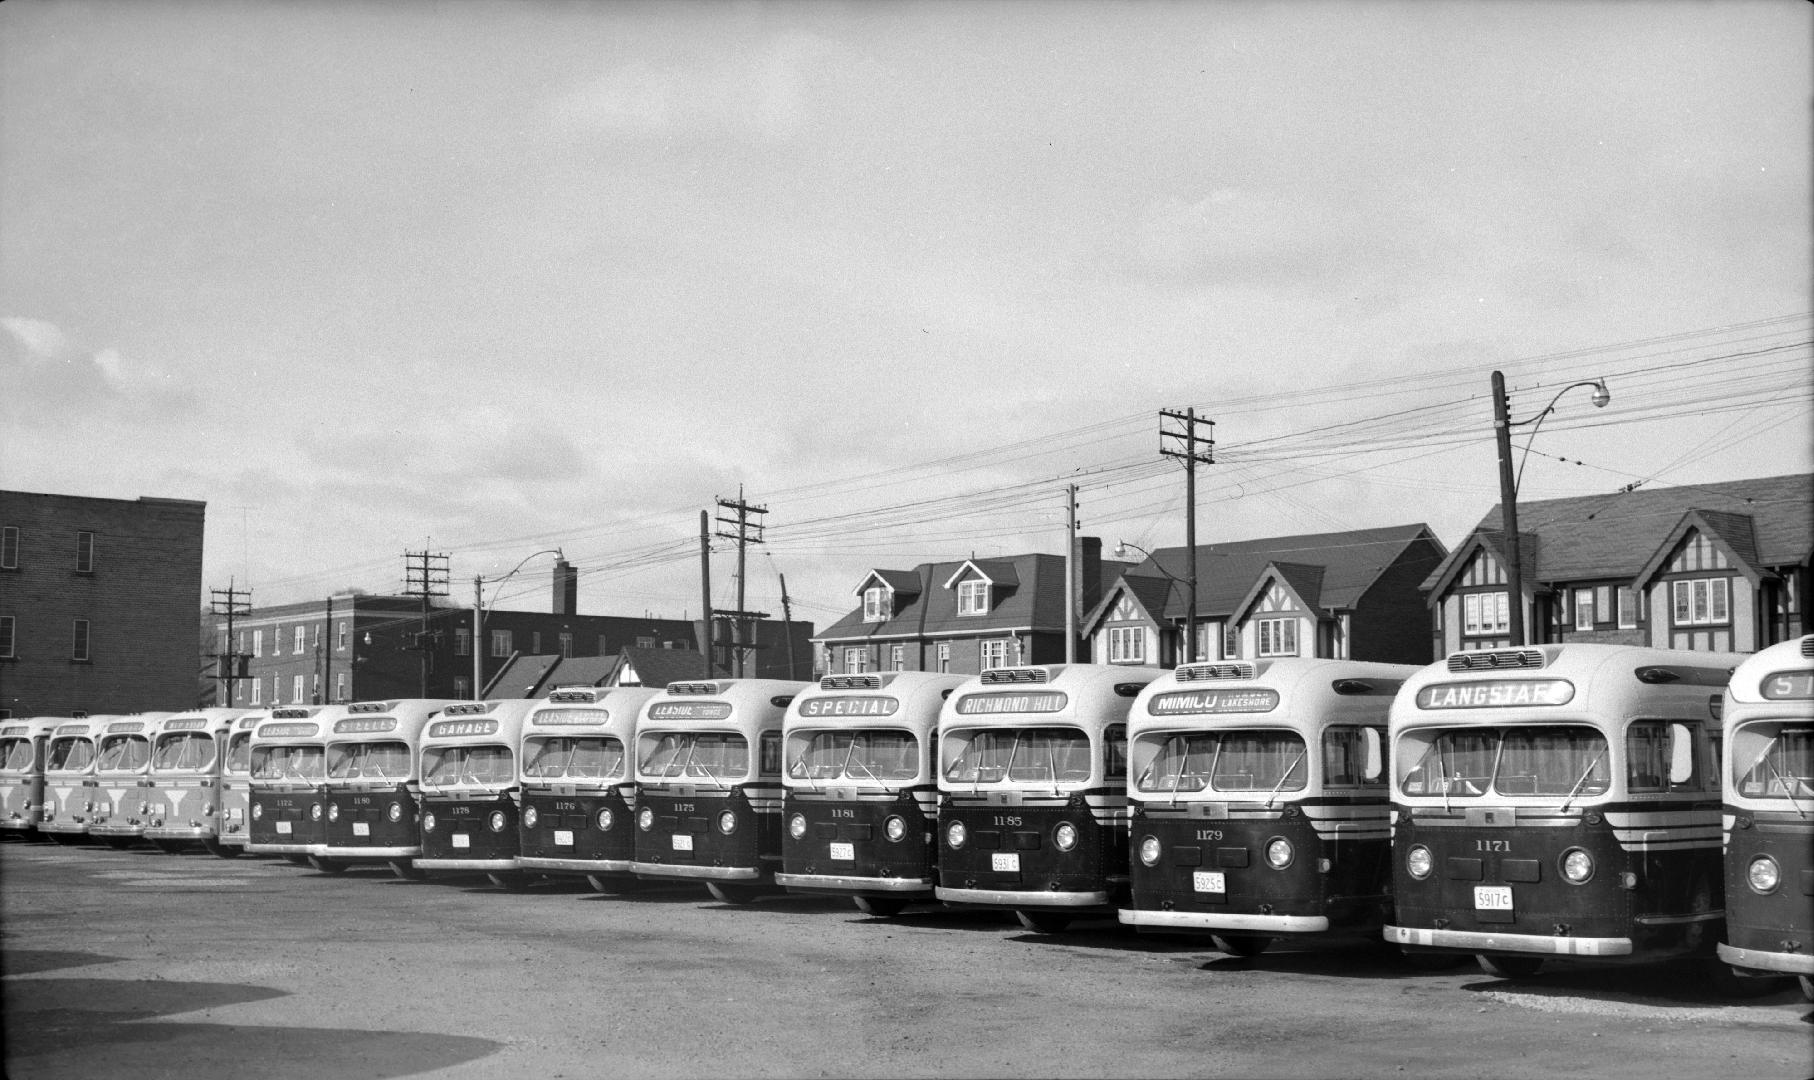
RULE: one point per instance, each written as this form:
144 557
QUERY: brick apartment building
100 603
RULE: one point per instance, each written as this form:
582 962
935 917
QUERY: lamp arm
1537 422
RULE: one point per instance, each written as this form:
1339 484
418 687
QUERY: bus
1559 801
233 810
23 743
1033 791
579 799
182 793
1258 806
283 793
708 784
470 792
371 795
122 761
861 799
1768 819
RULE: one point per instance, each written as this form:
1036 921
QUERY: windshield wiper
1052 766
1788 791
1289 769
688 764
1585 773
805 772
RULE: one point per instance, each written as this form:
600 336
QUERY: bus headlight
1149 850
1577 865
530 817
258 811
727 822
334 812
895 827
207 809
314 811
796 826
428 822
645 819
497 821
1763 874
1065 836
395 813
606 819
1278 853
1418 861
956 835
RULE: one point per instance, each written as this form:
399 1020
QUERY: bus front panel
589 832
1038 852
881 844
480 827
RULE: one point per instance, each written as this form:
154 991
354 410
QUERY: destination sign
454 729
13 732
690 710
859 705
1043 701
569 717
1496 694
73 729
1200 702
1789 686
288 731
191 723
365 725
125 727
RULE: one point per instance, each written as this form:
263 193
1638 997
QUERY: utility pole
707 628
230 663
747 532
1191 455
425 575
1070 574
787 627
478 635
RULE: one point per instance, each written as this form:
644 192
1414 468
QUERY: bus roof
479 722
383 721
589 710
749 706
1304 693
1783 672
909 700
1091 696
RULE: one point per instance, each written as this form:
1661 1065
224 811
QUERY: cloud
40 338
50 379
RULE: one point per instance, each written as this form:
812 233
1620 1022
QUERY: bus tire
1728 983
1043 922
171 847
1420 960
612 885
118 843
327 866
1241 946
510 881
406 870
731 894
1509 967
880 907
222 851
299 860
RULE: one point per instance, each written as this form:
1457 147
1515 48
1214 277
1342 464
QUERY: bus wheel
222 851
1728 983
171 847
1509 967
1420 960
880 907
510 882
327 866
731 894
406 870
1043 922
64 839
299 860
1241 946
118 843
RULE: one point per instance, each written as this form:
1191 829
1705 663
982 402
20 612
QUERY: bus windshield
869 756
1774 761
16 755
239 752
70 755
583 758
1042 755
1524 760
287 763
188 751
369 761
1267 762
124 753
452 766
715 755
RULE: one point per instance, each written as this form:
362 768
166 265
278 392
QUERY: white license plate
1209 881
460 839
233 814
683 842
563 838
844 851
283 828
1005 861
1492 898
362 828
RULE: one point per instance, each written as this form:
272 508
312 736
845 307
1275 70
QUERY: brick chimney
1089 567
566 588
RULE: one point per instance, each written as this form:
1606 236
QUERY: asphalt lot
143 964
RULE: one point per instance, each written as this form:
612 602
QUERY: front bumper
1481 942
831 883
1755 960
1029 899
687 870
1195 920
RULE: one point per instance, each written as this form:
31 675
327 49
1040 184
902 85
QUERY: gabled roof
1736 534
521 676
1302 579
1491 541
994 571
1028 592
1614 536
901 582
659 667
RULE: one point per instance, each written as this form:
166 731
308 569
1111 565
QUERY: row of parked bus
1519 805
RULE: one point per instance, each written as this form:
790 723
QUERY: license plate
233 814
1209 881
563 838
362 828
461 840
1492 898
844 851
683 842
1006 862
283 828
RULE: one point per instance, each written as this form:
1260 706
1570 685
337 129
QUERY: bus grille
1807 646
1016 675
1495 659
1204 672
468 708
574 697
693 688
851 682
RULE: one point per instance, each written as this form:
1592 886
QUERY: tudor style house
1722 567
963 616
1347 595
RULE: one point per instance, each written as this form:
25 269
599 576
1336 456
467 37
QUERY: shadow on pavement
33 961
1670 985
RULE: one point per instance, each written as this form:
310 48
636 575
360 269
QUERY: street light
1190 614
478 617
1508 485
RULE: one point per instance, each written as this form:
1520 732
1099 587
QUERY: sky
488 279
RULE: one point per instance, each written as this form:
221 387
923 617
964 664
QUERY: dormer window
875 604
973 597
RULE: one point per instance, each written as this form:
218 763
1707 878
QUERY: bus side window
1115 740
1374 769
770 764
1715 780
1661 756
1353 756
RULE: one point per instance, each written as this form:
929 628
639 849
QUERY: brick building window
340 639
302 640
84 553
535 642
973 597
462 642
258 643
567 646
257 684
944 656
875 604
462 686
995 653
296 690
6 637
500 643
78 646
897 657
9 548
340 686
856 660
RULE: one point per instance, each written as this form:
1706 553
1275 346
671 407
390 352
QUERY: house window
973 597
1584 609
462 642
1628 607
645 643
897 657
1701 601
1231 642
566 646
84 553
995 653
9 548
302 640
1485 613
500 643
856 660
875 604
296 689
1127 645
6 637
944 656
78 646
1278 637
